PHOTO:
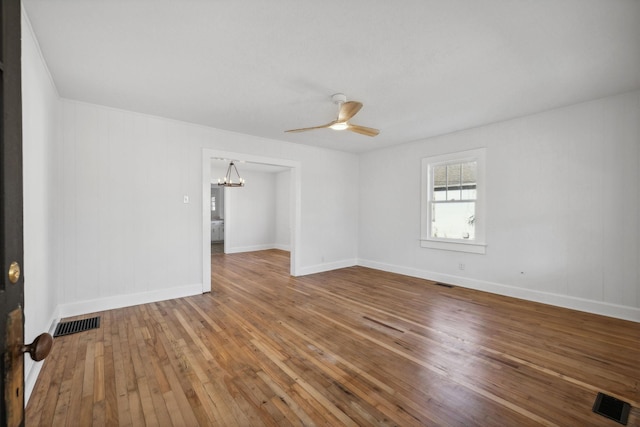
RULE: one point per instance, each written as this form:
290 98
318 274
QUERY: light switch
186 199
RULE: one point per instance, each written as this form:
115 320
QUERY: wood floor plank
121 404
109 378
183 404
76 393
353 346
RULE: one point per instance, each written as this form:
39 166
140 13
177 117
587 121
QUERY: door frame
209 154
11 219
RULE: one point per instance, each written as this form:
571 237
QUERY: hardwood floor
349 347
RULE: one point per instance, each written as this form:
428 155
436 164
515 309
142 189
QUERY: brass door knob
14 272
39 348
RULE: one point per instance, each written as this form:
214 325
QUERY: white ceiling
421 68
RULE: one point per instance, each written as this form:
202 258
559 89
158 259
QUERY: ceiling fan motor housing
339 98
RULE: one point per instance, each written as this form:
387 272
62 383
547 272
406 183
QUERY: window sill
474 248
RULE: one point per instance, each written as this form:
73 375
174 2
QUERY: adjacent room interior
438 223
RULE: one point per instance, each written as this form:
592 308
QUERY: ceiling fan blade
363 130
348 110
310 128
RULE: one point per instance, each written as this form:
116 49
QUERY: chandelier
227 181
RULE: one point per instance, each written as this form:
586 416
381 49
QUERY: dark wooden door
11 246
12 345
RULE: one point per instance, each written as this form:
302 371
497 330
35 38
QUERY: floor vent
67 328
610 407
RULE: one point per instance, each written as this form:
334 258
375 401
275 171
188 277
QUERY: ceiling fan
346 110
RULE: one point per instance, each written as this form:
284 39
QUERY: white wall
252 213
128 236
41 209
563 208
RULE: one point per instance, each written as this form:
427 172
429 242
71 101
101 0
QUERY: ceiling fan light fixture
346 111
339 126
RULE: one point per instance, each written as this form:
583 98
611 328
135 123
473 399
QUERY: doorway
249 163
217 219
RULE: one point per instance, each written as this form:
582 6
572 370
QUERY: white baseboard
255 248
574 303
119 301
319 268
30 378
250 248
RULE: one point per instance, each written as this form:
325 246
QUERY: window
453 202
213 203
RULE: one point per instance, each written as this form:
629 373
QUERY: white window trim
478 245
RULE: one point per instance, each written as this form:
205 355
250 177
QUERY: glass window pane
453 181
440 176
469 171
468 193
440 194
453 220
439 182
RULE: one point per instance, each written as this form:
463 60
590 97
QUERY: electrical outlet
461 266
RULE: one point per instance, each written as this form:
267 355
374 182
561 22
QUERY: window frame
478 245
